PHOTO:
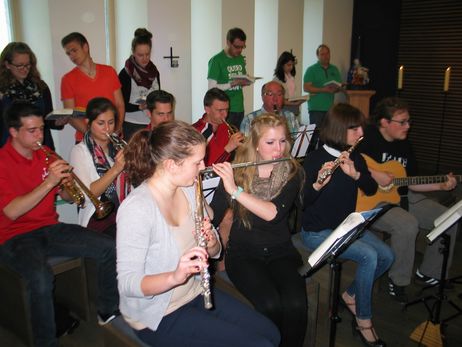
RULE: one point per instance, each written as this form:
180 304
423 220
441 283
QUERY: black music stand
329 256
442 223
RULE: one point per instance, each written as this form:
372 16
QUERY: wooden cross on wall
173 58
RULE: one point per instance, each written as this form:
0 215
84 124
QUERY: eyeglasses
21 66
402 122
270 94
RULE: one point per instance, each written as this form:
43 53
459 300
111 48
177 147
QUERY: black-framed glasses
402 122
21 66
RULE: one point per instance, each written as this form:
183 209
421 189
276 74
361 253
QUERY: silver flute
202 242
209 169
326 173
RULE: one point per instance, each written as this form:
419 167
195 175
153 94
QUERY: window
5 23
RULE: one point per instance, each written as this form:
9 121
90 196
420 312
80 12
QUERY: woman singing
157 256
260 258
327 204
99 165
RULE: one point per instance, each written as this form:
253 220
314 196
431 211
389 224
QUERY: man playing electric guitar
386 141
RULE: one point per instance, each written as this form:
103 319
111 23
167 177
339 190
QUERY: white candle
447 76
400 77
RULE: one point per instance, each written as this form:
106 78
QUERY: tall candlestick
447 76
400 77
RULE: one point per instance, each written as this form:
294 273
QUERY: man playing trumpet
222 139
29 226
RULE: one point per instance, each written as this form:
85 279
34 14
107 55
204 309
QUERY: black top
126 82
262 233
328 207
375 146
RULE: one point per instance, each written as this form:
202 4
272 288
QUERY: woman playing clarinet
260 258
330 198
158 257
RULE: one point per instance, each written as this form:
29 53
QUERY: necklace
90 72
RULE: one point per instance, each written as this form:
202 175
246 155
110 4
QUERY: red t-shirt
82 88
216 142
19 176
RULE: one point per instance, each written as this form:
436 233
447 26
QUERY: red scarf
144 77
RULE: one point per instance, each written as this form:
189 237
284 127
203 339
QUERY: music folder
340 238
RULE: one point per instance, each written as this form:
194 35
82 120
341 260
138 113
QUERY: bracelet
236 193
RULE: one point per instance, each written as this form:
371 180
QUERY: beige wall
290 34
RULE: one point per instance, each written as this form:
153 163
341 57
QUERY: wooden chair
70 290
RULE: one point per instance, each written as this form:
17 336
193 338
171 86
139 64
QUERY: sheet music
341 234
208 187
302 140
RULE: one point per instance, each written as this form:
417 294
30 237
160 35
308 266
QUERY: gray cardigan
144 246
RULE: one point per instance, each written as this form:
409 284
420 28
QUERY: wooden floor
393 324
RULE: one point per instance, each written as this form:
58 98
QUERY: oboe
202 242
328 172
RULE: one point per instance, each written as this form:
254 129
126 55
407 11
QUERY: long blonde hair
247 152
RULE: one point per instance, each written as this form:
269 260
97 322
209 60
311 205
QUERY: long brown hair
147 149
6 77
247 152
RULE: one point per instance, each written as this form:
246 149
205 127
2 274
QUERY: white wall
128 18
266 46
170 22
206 41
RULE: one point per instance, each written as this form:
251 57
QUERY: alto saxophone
202 241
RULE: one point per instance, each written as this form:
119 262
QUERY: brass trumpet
232 129
337 163
77 189
117 141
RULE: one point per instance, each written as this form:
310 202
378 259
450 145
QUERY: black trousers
268 278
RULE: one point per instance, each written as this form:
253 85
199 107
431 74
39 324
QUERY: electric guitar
390 193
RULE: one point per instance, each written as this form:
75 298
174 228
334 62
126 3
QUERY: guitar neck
415 180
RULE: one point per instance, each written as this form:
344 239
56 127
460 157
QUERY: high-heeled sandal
357 330
348 306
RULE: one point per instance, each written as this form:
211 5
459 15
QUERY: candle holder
440 137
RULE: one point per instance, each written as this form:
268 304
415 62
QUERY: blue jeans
229 323
27 255
373 258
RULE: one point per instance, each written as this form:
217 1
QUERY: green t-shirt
318 76
221 68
